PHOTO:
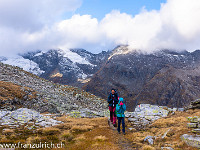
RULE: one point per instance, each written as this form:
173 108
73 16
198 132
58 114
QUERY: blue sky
98 8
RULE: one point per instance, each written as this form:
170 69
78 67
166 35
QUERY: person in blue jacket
120 108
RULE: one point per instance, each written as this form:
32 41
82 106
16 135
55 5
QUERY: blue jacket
113 99
120 109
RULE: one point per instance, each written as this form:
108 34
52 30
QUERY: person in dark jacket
113 99
120 108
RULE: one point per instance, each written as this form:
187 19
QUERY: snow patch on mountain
38 54
74 57
121 50
26 64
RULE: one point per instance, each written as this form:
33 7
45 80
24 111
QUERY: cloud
34 24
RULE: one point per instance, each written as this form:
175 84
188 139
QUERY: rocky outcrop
194 125
145 114
31 119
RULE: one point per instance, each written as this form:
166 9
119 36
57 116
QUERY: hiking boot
115 125
124 133
118 132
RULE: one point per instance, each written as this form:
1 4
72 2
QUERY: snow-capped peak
121 50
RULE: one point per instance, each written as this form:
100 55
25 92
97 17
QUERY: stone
164 135
174 109
196 130
181 109
166 148
149 139
132 119
194 119
191 140
192 125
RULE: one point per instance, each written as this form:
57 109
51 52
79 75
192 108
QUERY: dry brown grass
8 131
173 125
148 147
9 91
50 131
67 135
100 138
81 128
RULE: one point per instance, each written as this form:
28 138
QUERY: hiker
113 100
120 108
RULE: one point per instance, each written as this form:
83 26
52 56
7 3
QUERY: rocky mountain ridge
137 76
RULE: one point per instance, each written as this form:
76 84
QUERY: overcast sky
97 25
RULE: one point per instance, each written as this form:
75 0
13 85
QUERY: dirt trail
121 141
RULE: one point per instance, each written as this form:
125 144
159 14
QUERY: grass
49 131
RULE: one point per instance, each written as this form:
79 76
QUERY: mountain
71 67
23 89
164 77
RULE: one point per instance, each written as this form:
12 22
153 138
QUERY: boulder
192 125
149 139
191 140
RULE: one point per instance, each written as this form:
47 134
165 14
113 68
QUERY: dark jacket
113 99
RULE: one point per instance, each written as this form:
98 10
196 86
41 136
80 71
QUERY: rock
144 114
174 109
3 113
166 148
192 125
194 119
164 135
132 119
149 139
31 117
195 104
191 140
181 109
196 130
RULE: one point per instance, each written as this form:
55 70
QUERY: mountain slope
171 87
45 95
130 71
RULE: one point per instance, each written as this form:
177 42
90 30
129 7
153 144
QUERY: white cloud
36 24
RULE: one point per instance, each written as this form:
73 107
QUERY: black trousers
121 119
